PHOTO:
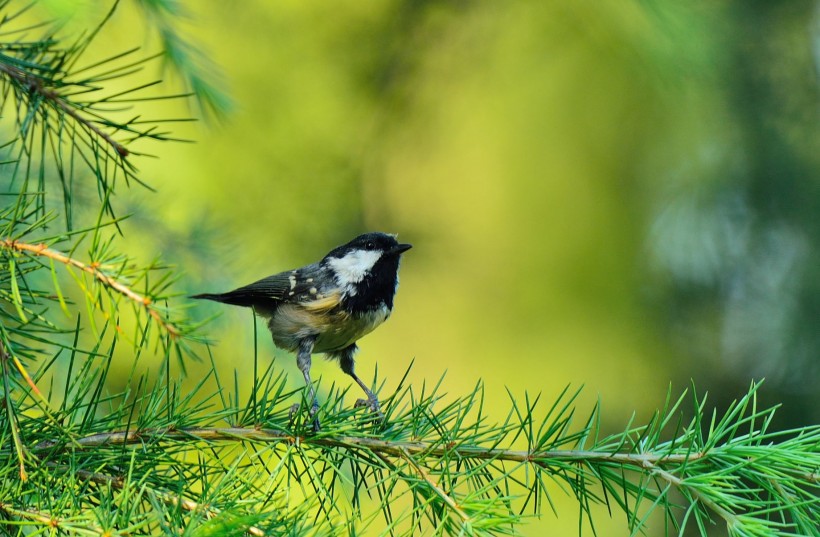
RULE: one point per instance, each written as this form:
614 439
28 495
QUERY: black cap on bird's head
375 241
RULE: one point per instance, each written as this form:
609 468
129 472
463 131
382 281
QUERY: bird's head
370 262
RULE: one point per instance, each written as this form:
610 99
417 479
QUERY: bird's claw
372 405
294 409
314 408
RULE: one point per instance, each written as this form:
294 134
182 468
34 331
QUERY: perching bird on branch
327 306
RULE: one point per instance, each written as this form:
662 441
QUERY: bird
327 306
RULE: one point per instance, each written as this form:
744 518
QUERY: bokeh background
622 195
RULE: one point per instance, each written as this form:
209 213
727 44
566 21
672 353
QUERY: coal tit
327 306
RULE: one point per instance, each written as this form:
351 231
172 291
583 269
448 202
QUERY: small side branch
446 498
93 269
55 523
681 485
10 411
35 84
166 497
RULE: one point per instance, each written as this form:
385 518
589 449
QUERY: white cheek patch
354 266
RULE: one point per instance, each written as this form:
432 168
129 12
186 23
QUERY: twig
15 428
48 519
35 84
166 497
43 250
436 488
681 485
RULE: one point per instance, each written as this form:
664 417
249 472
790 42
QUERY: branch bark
384 447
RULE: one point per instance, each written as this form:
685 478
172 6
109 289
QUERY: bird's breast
333 329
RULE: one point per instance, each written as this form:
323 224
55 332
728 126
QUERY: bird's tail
226 298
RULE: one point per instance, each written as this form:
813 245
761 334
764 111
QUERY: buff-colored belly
334 330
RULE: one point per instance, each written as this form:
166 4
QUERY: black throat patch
376 288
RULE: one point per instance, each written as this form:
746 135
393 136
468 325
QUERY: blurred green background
617 194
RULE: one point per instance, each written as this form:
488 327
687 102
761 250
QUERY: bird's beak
400 249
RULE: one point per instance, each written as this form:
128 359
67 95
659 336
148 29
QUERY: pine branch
48 520
96 270
118 482
13 424
706 471
391 448
198 72
57 131
36 85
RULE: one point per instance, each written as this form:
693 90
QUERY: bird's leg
303 362
347 363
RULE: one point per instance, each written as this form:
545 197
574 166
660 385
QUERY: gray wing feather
271 291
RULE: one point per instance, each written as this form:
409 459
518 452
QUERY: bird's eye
370 245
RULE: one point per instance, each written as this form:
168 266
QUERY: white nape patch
354 266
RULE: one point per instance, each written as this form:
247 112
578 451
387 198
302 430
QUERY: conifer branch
119 482
94 269
448 500
685 462
43 517
11 415
36 85
391 448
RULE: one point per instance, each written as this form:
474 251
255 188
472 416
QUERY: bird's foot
314 409
372 404
294 410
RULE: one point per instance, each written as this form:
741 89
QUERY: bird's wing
289 286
